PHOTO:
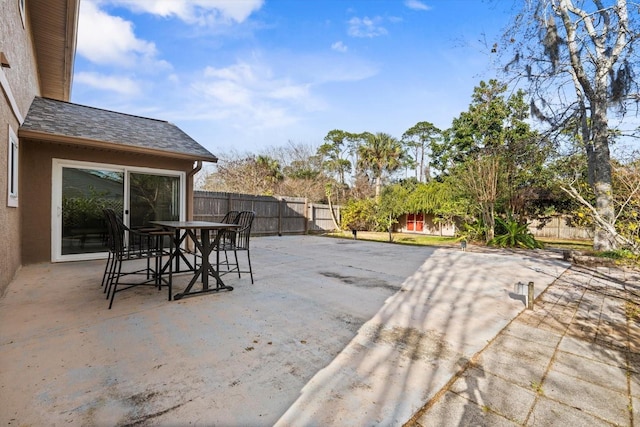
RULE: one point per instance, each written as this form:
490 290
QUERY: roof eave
84 142
54 28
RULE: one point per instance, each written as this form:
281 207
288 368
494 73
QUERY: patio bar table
200 233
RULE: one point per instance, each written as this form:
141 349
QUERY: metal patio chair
235 240
228 218
129 245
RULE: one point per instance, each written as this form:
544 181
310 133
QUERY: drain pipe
190 175
195 170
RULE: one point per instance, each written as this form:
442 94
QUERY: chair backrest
242 234
230 217
116 231
123 239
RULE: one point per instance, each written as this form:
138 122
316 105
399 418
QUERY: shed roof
65 122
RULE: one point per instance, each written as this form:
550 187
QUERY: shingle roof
86 125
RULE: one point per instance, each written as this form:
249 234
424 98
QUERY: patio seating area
333 332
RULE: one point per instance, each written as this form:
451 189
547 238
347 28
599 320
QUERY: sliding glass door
82 190
153 198
85 192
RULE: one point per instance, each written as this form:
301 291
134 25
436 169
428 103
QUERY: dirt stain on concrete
361 282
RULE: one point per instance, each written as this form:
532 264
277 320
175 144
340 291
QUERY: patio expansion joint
473 362
540 386
630 369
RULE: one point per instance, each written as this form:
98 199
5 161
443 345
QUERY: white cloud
248 93
202 12
227 93
110 40
289 91
249 84
122 85
366 27
339 47
241 72
343 68
275 92
416 5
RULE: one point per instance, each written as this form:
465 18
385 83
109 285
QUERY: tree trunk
333 215
599 163
421 164
378 186
488 216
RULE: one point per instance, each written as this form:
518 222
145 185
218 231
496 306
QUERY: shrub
358 215
511 233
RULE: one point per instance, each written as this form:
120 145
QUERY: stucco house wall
19 84
36 236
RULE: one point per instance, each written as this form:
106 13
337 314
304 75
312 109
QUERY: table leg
204 245
206 251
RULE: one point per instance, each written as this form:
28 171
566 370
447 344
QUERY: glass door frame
56 200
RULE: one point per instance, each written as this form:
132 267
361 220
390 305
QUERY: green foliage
495 130
381 153
472 232
510 233
390 205
418 138
441 198
358 215
84 211
618 254
334 151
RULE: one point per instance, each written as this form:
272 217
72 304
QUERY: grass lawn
401 238
585 246
423 240
579 245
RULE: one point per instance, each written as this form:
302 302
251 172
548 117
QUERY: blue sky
246 75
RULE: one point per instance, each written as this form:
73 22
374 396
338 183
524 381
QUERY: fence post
308 215
280 216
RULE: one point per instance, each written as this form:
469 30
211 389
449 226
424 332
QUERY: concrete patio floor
333 332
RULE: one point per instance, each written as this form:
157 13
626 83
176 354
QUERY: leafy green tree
441 198
419 137
334 154
490 151
391 204
358 214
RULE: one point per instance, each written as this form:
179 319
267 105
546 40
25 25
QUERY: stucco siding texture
9 216
51 117
16 43
22 79
36 203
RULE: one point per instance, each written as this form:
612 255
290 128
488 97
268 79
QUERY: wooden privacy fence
295 215
274 214
558 228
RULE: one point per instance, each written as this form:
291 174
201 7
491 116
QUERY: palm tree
269 173
381 153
